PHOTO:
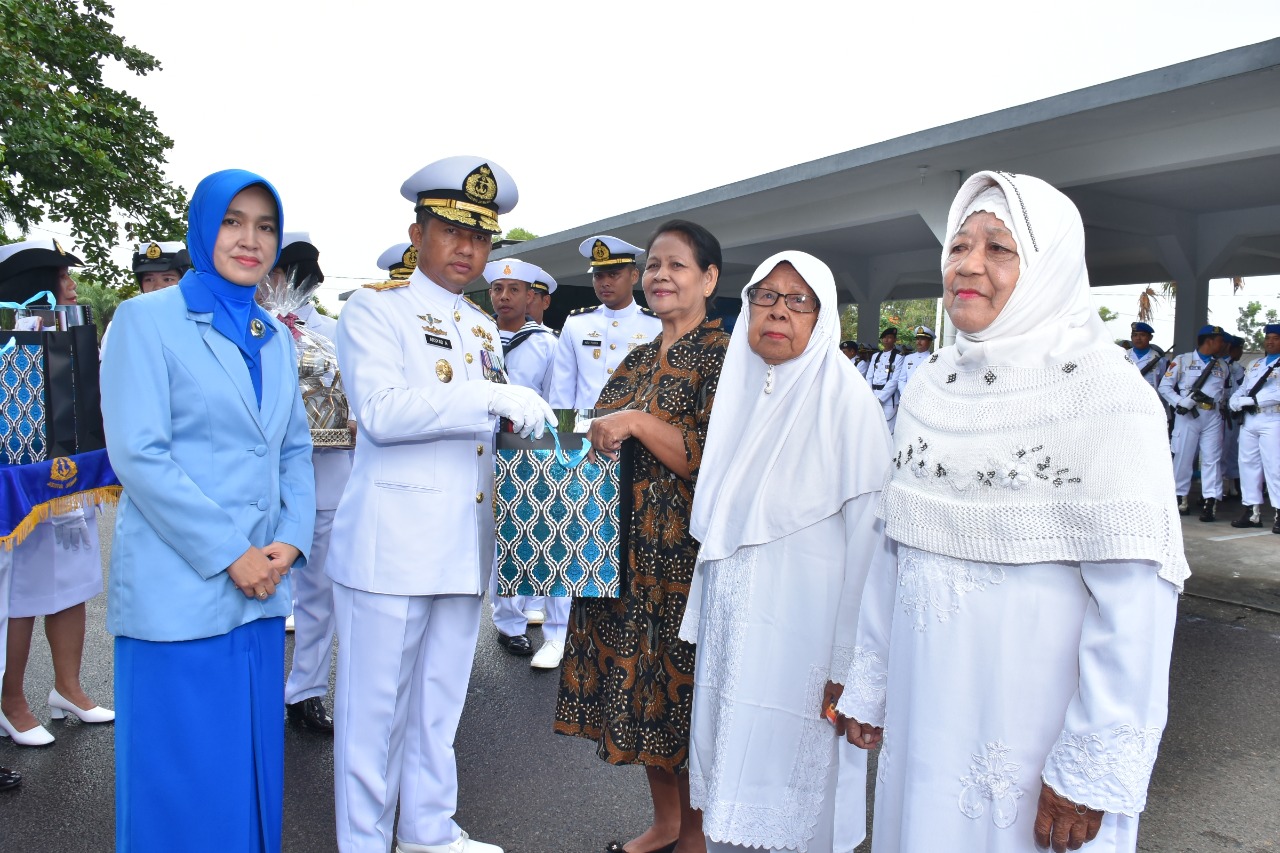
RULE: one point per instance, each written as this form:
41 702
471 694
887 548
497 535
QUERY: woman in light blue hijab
207 433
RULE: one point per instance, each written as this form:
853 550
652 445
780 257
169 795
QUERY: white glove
1238 403
70 530
1187 402
527 411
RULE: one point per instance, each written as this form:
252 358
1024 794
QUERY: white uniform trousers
312 619
404 662
509 618
1260 457
891 419
1205 434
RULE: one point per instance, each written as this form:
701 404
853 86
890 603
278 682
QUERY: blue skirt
200 742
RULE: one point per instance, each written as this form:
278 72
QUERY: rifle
1257 386
1196 393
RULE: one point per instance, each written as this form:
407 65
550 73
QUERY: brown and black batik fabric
626 680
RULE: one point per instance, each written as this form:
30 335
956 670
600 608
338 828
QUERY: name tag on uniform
590 343
437 341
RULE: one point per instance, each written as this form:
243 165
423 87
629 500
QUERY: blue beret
1141 327
1271 329
1208 331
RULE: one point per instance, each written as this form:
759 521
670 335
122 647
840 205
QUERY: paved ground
1215 788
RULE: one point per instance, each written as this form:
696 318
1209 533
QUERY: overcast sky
597 108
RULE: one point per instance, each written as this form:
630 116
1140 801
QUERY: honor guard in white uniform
595 340
910 361
529 348
1149 360
1233 350
882 372
1258 399
1194 384
312 617
413 542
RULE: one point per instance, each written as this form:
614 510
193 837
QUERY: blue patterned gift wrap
558 525
22 399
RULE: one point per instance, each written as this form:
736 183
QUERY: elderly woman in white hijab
796 453
1018 657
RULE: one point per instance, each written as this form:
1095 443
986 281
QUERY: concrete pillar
1190 312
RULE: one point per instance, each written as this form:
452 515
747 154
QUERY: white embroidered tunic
1005 675
776 624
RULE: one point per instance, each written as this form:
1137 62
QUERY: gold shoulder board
467 299
386 285
587 310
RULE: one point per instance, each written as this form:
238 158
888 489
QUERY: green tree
103 301
1250 324
906 314
1107 314
72 149
519 233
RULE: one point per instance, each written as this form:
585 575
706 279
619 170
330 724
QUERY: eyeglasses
801 303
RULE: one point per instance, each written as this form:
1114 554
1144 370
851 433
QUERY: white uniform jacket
909 363
531 363
1268 396
332 464
416 518
592 344
1182 374
1153 363
882 373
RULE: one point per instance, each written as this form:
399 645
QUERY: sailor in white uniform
1258 397
529 349
882 372
924 347
308 681
595 340
413 543
1194 384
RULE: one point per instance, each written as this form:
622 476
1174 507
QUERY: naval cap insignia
153 251
411 256
599 251
481 187
58 246
506 270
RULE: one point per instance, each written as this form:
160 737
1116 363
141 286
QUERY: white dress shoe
59 708
535 617
39 736
548 657
464 844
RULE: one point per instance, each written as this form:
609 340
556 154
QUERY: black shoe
1209 512
615 847
9 778
1247 519
520 645
1275 528
310 714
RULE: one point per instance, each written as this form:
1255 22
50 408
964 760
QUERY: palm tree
1149 298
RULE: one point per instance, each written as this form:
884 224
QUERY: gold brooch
444 370
256 328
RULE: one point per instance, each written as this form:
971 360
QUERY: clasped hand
258 571
607 433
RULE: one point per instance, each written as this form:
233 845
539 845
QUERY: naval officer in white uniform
910 361
308 681
515 289
595 340
413 543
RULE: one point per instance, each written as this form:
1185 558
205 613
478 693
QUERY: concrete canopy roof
1176 173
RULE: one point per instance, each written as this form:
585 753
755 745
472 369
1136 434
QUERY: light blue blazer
205 473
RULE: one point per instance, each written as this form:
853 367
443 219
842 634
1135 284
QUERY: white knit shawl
1032 440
